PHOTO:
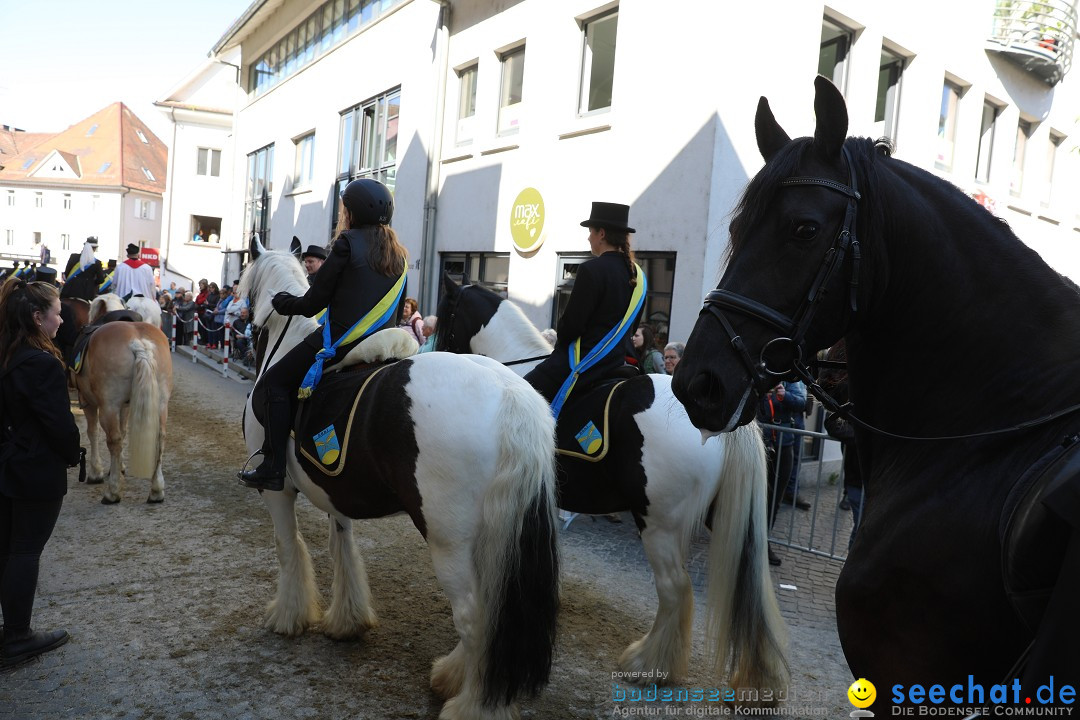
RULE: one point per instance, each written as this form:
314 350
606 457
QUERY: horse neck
509 336
295 331
987 332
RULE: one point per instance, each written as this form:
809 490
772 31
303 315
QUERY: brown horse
125 380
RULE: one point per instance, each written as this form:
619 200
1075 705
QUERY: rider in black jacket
365 263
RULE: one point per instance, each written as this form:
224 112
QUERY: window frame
844 39
1024 130
951 93
983 169
508 121
210 160
1054 141
364 130
259 193
465 128
479 261
304 161
887 105
588 68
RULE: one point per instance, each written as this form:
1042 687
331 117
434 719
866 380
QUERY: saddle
1040 537
582 430
75 354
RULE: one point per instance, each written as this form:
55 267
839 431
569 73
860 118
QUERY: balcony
1037 36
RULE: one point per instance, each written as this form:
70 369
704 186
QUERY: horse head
793 256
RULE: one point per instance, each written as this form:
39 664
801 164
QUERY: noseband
782 357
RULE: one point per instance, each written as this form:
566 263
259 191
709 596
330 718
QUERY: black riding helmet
369 202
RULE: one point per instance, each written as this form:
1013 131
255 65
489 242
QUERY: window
37 238
11 198
659 268
369 134
305 161
466 104
28 163
598 63
92 130
149 175
141 136
65 241
39 200
1052 146
986 141
946 132
9 237
206 229
104 166
329 24
513 75
208 162
258 194
94 201
836 41
1023 131
67 201
888 94
492 270
145 209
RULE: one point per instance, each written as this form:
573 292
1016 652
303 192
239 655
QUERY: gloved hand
282 301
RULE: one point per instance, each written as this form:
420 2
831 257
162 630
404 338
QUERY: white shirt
137 280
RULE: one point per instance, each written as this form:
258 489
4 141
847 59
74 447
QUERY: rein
284 331
782 357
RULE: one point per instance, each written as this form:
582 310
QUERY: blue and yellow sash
106 284
609 342
375 318
74 273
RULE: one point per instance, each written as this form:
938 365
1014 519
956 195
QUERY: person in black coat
365 264
38 442
598 303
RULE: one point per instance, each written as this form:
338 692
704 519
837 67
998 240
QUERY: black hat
46 274
92 240
369 202
314 251
132 250
610 216
111 265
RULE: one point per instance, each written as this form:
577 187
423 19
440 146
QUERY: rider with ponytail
38 442
599 304
357 283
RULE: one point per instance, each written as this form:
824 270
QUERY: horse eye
806 230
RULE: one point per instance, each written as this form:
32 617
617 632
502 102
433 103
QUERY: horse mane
275 271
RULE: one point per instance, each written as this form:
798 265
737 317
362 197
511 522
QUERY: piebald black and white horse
964 370
658 468
466 448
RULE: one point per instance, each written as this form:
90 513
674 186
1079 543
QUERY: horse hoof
94 480
105 500
155 500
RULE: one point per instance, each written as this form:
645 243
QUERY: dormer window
149 175
92 130
141 136
28 163
104 166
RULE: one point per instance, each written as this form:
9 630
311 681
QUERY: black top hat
610 216
132 250
92 240
46 274
314 251
111 265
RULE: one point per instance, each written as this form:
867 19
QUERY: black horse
964 367
85 284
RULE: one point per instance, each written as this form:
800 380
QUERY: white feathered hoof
447 675
155 498
352 627
288 624
466 706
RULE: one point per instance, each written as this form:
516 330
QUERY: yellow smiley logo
862 693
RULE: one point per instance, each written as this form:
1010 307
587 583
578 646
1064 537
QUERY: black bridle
782 357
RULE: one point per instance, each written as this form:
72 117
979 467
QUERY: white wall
87 216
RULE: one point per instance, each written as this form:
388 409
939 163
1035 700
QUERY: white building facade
498 123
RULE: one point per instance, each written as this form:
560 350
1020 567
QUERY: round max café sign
527 220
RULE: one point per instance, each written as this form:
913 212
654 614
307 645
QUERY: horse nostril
705 390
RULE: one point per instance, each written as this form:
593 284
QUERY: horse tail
144 421
516 554
743 626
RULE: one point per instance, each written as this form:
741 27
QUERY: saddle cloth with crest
583 428
327 418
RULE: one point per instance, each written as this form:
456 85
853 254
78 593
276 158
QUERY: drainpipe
428 267
172 174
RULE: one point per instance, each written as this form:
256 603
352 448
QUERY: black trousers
779 471
25 527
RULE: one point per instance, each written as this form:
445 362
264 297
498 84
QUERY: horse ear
255 246
295 247
449 285
832 118
771 138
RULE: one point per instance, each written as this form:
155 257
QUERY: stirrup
247 478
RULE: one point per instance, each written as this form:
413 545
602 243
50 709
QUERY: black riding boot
270 475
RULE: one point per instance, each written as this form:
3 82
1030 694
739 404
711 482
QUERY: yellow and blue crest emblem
589 438
327 445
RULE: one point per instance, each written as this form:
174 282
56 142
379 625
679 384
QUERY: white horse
480 487
658 468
